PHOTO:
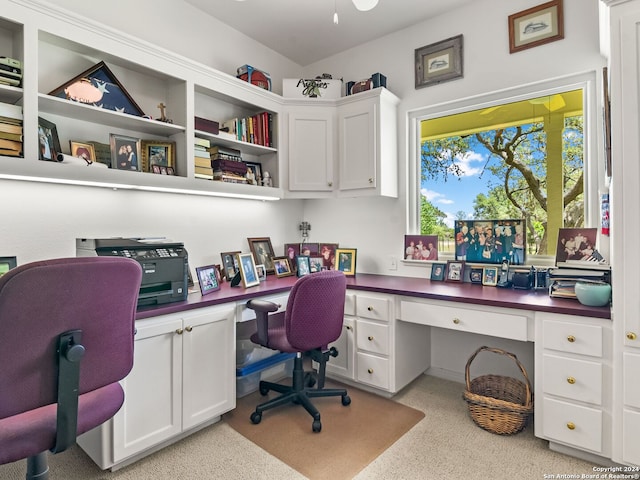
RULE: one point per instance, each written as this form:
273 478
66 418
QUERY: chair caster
316 426
346 400
256 418
309 379
264 390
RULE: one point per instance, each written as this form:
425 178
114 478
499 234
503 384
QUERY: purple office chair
313 319
67 339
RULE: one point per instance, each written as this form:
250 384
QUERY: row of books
218 163
256 129
11 130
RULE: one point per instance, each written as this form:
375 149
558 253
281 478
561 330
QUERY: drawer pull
188 328
456 321
370 309
330 184
370 370
348 327
571 380
571 425
179 331
571 339
631 336
370 338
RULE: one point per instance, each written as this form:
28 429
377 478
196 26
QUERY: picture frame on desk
282 266
230 265
309 248
248 271
490 276
208 279
291 251
316 264
160 154
125 152
262 273
475 276
346 261
262 251
455 271
303 265
437 272
49 140
86 151
256 170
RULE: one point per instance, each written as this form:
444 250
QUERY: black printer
165 264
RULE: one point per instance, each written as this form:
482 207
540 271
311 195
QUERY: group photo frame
491 241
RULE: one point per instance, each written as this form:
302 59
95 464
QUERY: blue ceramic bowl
593 294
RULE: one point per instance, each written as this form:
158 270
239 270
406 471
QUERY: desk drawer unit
373 370
374 308
504 325
573 379
574 425
575 338
373 337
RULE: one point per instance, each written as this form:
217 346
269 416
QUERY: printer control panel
149 254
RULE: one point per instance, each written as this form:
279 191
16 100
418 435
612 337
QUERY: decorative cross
162 106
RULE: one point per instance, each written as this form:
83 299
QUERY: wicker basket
497 403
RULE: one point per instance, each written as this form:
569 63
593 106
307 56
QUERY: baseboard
589 457
445 374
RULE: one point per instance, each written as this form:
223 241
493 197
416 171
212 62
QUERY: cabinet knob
631 336
330 184
371 180
179 331
370 370
571 425
571 339
370 338
370 309
189 328
456 321
571 380
348 327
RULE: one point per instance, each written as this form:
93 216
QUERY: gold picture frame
159 154
439 62
536 26
346 261
86 151
248 270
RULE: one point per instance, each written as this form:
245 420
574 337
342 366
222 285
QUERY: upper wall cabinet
343 148
57 46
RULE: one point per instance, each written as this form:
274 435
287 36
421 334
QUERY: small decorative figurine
266 180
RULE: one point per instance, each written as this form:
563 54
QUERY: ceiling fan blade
364 5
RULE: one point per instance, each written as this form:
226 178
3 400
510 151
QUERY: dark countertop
534 300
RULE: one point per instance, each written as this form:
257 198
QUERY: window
504 160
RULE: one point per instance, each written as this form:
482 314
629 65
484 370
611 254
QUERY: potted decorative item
593 293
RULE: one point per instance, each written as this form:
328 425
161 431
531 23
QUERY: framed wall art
346 260
439 62
208 279
248 271
535 26
230 264
49 140
157 154
262 252
98 87
125 152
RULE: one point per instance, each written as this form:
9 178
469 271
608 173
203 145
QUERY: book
215 149
11 136
10 153
10 111
205 125
229 166
9 128
103 152
201 153
202 162
204 170
202 142
10 144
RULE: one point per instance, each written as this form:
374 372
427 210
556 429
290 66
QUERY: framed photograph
439 62
303 265
248 271
282 266
208 279
292 250
577 244
125 152
475 275
491 241
49 140
6 264
455 271
262 273
86 151
157 154
346 261
328 254
490 276
309 248
536 26
254 173
230 264
315 263
262 252
437 271
421 247
100 88
607 121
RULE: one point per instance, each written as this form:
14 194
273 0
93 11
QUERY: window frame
594 176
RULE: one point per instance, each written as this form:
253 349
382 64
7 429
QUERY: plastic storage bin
271 368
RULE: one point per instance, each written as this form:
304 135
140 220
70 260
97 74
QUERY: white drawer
586 422
375 308
504 325
574 379
630 443
373 370
630 384
350 304
373 337
245 314
572 337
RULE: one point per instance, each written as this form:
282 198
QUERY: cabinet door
153 390
358 134
208 365
343 364
311 154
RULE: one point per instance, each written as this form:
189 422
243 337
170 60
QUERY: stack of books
256 129
227 164
10 130
202 159
562 280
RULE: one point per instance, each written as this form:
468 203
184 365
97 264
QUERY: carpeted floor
351 436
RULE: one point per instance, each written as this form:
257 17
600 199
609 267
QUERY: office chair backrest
315 310
39 301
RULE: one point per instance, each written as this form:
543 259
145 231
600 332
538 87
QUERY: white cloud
465 163
435 197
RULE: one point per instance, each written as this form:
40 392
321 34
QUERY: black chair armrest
262 306
262 309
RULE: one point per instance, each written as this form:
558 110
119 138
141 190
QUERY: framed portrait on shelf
282 266
256 172
475 276
346 261
535 26
439 62
421 247
230 264
303 265
208 279
248 271
316 264
455 271
262 252
577 244
490 241
490 276
125 152
98 87
309 248
262 273
86 151
48 140
437 271
292 250
158 154
328 254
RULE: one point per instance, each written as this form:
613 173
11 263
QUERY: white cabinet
573 382
182 378
344 364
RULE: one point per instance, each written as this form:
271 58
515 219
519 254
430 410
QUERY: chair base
38 467
300 392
